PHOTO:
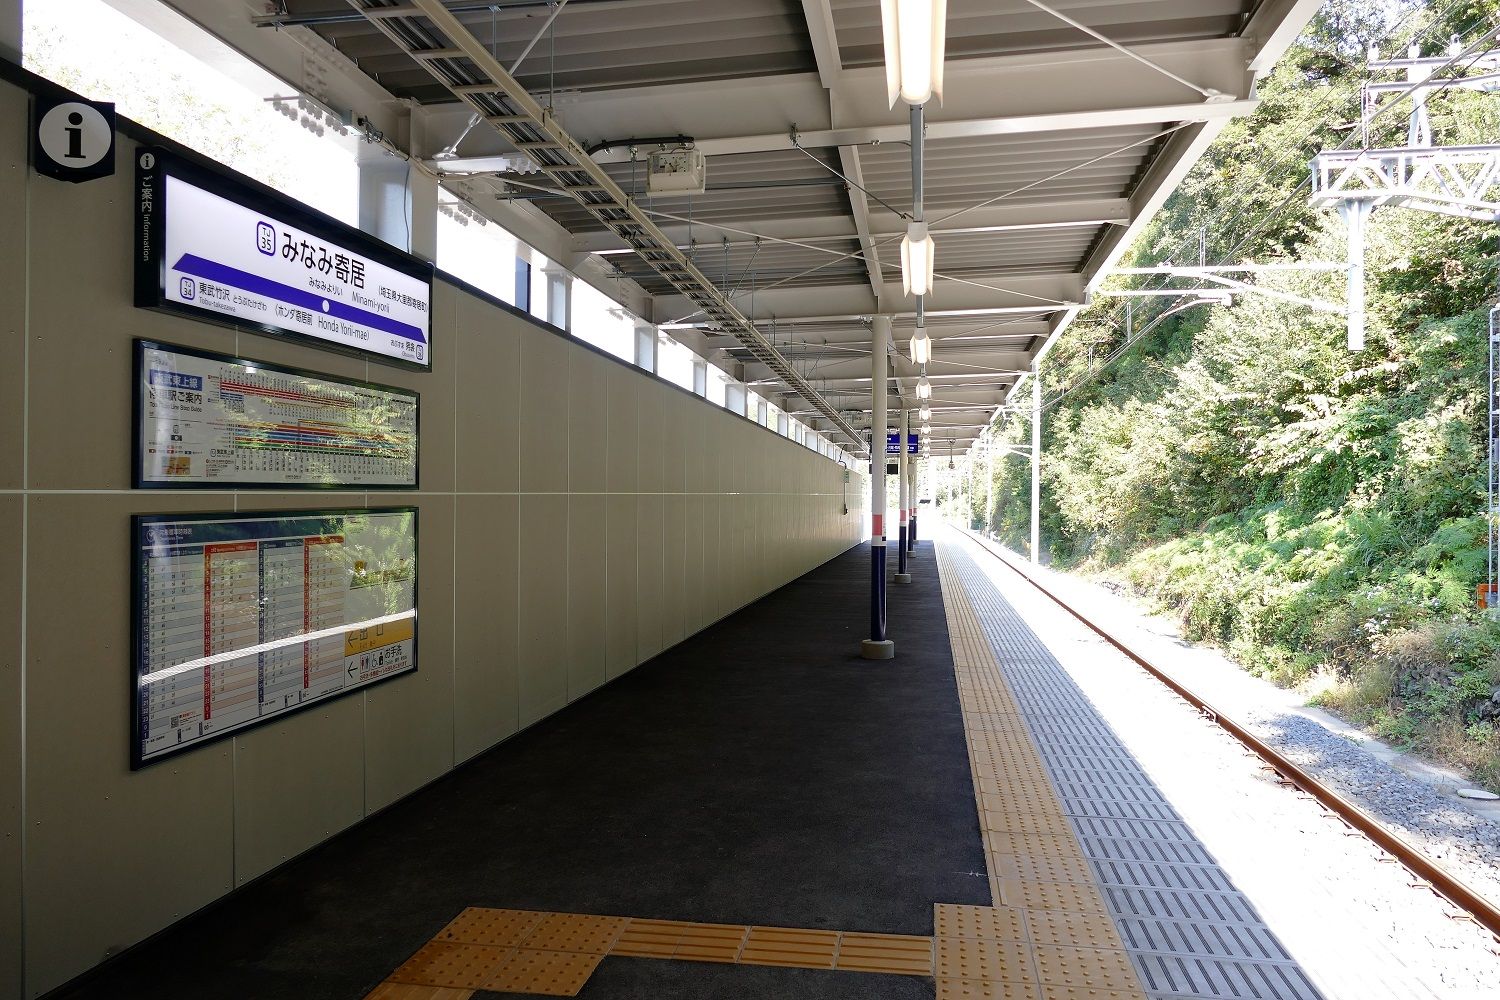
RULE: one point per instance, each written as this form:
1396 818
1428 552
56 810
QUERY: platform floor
760 813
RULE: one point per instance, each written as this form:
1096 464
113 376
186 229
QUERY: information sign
212 421
218 249
893 443
242 618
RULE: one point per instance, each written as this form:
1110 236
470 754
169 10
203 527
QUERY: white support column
1036 463
645 347
397 202
559 296
1355 213
700 377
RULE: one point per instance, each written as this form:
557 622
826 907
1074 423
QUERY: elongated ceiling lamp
915 38
921 347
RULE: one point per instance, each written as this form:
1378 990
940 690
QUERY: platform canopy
1050 151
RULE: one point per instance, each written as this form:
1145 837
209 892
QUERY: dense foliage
1317 512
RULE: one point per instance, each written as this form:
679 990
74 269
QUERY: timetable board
212 421
240 619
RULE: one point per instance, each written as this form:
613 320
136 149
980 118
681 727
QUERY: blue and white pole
902 575
878 647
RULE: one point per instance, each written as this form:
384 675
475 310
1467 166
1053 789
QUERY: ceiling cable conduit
437 40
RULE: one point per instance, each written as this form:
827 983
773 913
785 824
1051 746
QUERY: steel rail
1454 889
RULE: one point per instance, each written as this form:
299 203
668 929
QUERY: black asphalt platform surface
759 772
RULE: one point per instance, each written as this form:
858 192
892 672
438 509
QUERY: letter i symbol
75 136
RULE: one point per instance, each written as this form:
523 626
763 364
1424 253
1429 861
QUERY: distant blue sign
893 444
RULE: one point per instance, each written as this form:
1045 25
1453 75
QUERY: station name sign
893 444
219 249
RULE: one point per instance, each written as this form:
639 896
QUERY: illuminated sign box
222 250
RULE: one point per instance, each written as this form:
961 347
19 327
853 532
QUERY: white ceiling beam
1273 28
886 225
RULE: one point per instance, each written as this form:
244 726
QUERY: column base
877 649
903 578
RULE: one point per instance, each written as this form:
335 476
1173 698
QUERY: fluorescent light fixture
926 429
921 347
925 412
924 388
915 36
918 253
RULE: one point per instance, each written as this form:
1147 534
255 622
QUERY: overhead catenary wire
1260 222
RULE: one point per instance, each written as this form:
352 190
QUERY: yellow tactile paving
575 932
550 973
981 960
993 923
406 991
1049 936
711 942
649 939
1083 930
898 953
1041 868
457 966
482 925
958 989
786 946
1093 968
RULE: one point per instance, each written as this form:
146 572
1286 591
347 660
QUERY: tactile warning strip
1048 936
1187 932
553 954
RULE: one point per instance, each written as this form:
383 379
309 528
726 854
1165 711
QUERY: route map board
243 618
212 421
218 248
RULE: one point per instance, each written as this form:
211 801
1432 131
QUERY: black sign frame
150 237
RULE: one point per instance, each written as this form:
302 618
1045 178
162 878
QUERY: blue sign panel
893 444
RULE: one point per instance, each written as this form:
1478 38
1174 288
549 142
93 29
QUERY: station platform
758 812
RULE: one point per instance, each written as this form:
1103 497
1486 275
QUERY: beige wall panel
588 415
648 437
71 446
10 743
678 409
623 389
96 832
713 563
650 577
586 593
674 569
14 179
543 548
486 348
695 431
695 603
409 720
544 402
297 782
282 806
486 592
620 584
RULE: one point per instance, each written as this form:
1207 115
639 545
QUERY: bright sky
92 48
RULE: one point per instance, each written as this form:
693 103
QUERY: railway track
1461 895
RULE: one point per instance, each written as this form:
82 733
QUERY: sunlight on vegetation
1318 514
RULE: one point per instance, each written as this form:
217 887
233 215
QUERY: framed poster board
242 618
214 247
211 421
